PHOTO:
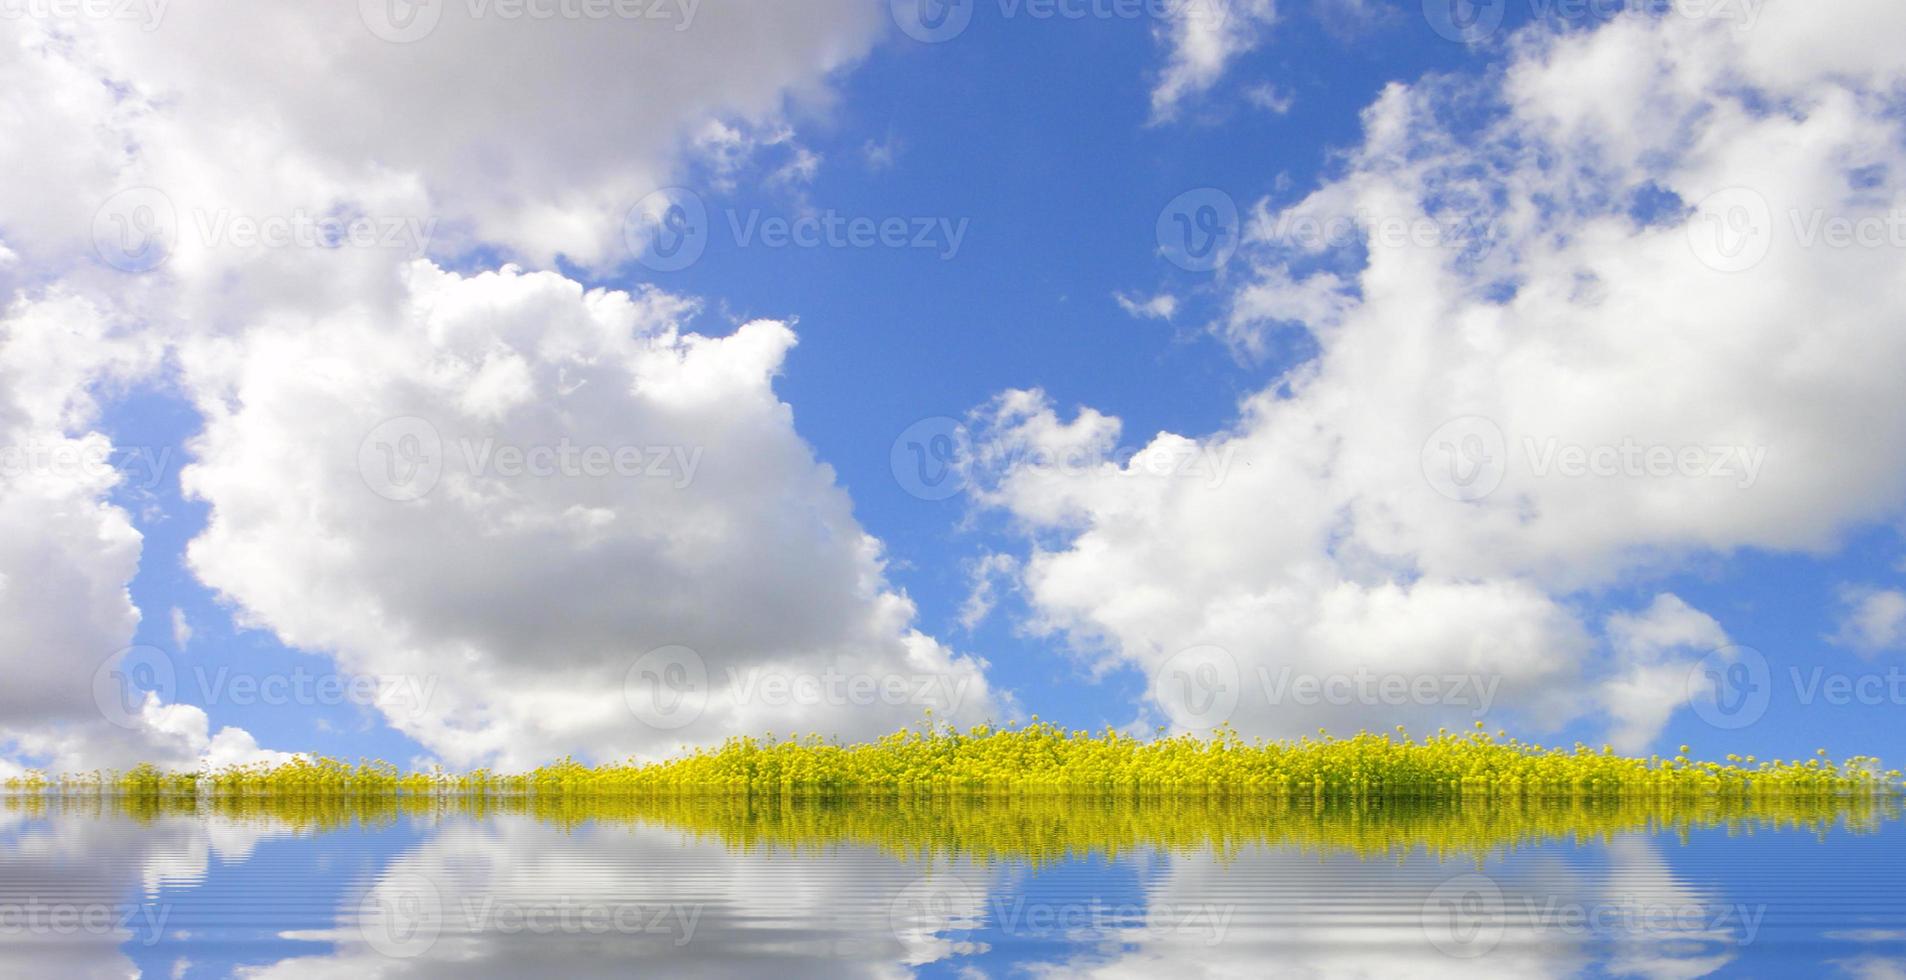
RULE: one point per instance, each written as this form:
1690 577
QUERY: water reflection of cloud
1333 916
855 911
76 892
515 897
512 895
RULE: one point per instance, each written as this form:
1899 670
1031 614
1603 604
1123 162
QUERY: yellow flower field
1042 759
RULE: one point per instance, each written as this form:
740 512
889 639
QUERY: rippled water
1063 889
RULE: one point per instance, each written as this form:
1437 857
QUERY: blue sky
1061 178
1038 139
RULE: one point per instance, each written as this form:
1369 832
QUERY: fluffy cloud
984 576
1654 650
154 163
1203 37
1568 344
1159 307
527 589
263 109
66 552
220 167
1872 620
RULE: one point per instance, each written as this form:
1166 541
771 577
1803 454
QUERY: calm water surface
1049 890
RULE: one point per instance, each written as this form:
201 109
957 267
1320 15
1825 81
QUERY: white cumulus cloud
1202 38
526 592
1538 373
1872 619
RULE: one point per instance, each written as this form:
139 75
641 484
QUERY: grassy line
1042 759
